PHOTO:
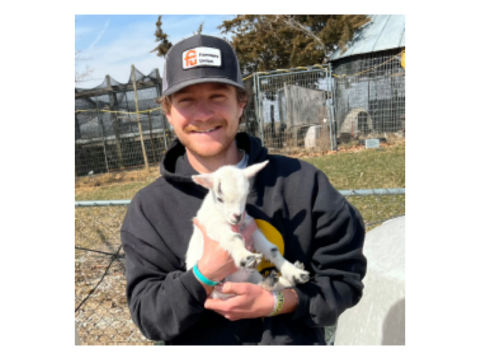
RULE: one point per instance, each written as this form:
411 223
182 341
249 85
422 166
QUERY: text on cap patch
201 56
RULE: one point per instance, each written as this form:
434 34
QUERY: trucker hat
200 59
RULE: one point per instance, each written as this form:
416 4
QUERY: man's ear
206 180
241 109
252 170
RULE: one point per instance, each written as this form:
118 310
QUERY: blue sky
112 43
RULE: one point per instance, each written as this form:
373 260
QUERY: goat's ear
206 180
252 170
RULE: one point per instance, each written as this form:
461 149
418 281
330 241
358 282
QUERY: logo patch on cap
201 56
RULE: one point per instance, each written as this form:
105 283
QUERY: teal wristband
202 278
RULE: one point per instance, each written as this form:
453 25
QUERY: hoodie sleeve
337 264
163 301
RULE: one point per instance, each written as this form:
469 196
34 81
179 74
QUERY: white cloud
92 45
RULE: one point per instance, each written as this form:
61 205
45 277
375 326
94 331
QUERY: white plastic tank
77 338
379 317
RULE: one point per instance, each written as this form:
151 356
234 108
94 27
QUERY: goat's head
229 187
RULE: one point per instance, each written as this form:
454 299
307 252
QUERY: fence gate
294 110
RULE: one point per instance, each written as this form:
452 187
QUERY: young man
293 203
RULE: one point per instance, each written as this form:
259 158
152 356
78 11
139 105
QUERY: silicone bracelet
280 305
275 303
202 278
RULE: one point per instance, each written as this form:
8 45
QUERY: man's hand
216 263
251 301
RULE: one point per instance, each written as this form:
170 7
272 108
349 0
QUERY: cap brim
184 84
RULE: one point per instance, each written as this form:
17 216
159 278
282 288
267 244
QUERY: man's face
205 118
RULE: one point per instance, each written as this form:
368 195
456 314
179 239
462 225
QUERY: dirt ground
103 319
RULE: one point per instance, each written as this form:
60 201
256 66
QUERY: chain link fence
294 110
102 316
369 95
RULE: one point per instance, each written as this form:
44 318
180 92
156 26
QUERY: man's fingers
233 288
217 305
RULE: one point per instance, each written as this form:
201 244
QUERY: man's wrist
290 301
206 272
208 289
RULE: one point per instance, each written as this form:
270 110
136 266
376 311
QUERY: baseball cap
200 59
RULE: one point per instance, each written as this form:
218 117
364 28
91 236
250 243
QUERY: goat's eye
220 200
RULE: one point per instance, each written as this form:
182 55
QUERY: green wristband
202 278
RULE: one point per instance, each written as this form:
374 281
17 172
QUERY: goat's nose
237 217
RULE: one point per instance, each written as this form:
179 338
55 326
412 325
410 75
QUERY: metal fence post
332 86
330 104
260 111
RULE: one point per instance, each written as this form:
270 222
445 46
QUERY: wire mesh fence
369 95
311 109
109 133
293 109
102 316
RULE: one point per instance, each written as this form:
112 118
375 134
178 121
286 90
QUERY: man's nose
203 111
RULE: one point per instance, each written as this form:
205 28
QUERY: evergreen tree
268 42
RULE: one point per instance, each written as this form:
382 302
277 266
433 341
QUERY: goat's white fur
231 185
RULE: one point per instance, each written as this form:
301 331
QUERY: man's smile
205 131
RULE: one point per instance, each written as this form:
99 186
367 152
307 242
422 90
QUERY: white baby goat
223 207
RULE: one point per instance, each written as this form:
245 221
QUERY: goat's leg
235 245
273 282
292 273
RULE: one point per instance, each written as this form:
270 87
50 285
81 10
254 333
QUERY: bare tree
81 75
290 21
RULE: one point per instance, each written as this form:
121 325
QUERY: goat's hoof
273 275
271 280
299 265
301 280
251 261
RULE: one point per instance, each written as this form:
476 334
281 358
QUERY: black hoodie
317 225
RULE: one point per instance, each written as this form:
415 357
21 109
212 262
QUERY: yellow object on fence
404 59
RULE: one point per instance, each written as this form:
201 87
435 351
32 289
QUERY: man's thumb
232 288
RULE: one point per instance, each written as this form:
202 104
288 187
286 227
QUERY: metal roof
383 32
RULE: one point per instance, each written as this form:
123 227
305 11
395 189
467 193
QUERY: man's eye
220 200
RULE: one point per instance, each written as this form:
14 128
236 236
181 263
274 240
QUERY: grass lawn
364 169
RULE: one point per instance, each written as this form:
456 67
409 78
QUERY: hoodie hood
176 167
